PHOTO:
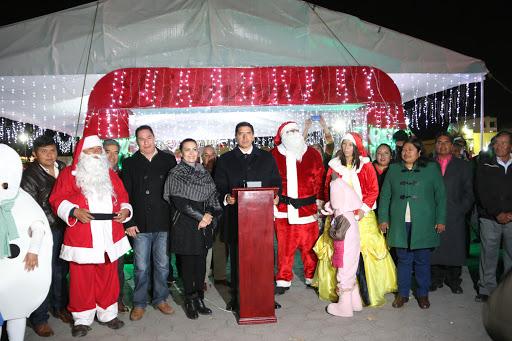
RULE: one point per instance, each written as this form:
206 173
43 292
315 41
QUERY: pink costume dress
344 200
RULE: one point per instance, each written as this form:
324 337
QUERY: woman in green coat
412 209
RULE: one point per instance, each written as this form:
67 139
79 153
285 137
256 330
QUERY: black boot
201 308
190 309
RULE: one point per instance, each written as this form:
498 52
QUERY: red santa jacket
87 243
363 180
308 183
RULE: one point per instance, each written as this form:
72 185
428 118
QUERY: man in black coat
494 191
234 169
38 180
144 175
448 259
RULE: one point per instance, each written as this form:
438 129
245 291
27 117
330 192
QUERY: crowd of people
364 229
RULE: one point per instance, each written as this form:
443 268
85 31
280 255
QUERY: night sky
473 30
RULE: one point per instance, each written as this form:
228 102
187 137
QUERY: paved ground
303 317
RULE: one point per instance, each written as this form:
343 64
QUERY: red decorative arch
120 90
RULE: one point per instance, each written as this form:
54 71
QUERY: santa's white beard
294 143
92 176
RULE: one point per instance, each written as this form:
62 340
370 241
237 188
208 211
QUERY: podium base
256 320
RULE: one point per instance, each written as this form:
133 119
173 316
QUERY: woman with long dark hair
192 192
383 158
354 167
412 209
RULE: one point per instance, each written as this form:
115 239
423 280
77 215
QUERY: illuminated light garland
437 108
475 86
11 132
442 107
274 87
466 100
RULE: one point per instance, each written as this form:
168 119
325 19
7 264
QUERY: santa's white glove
327 210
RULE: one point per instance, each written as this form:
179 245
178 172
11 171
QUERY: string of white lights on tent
30 100
448 106
15 132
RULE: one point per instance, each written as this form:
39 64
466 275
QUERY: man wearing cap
399 138
301 171
92 201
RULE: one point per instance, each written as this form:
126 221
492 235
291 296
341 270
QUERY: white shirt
152 156
55 170
503 163
247 152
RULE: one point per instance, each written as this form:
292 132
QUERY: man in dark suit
234 169
448 259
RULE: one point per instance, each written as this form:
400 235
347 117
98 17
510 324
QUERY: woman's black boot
190 308
201 308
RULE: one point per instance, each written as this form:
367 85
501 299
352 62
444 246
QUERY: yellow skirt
378 265
325 274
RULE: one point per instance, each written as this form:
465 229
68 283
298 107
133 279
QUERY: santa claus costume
91 248
301 171
379 268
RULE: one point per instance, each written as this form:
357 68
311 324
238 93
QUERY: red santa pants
289 239
93 289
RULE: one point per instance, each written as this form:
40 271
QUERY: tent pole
482 113
86 67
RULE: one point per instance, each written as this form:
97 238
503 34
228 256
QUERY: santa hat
84 143
357 140
284 128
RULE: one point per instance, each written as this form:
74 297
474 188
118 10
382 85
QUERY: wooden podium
256 255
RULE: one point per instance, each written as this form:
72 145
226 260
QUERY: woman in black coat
192 192
383 158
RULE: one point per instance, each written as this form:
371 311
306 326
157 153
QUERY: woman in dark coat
192 192
412 209
383 156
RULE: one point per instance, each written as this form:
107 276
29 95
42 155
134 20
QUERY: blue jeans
420 260
145 245
57 298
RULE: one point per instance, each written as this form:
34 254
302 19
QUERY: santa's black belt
103 216
297 203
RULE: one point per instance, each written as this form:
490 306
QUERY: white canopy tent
48 65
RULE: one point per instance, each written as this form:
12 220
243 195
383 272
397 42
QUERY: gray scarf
193 183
